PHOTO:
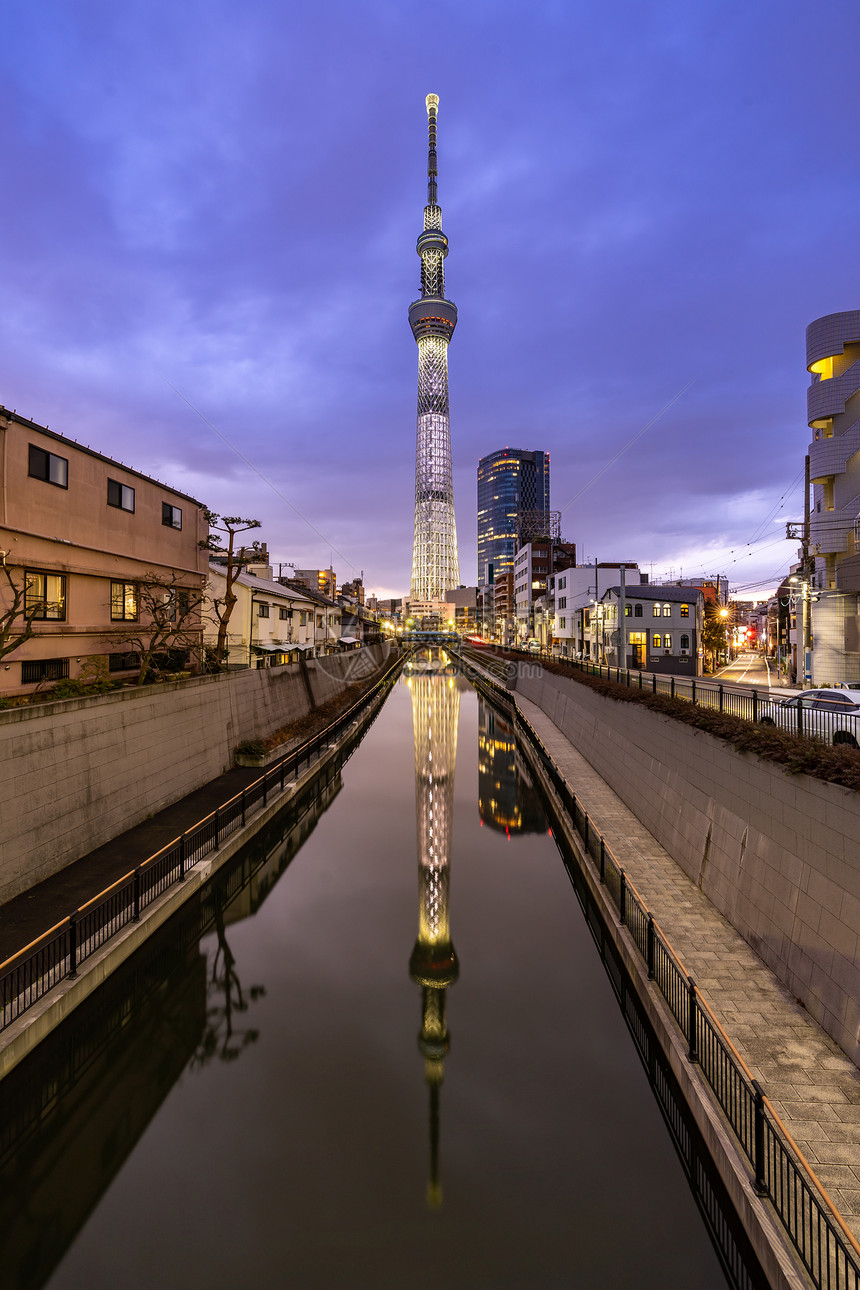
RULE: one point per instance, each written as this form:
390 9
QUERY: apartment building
270 623
83 542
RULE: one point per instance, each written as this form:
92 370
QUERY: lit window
628 611
45 596
656 611
667 611
44 465
171 516
656 640
120 495
123 602
667 641
685 611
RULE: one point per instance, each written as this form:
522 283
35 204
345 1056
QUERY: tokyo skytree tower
435 563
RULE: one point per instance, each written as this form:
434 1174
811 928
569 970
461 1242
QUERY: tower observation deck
435 562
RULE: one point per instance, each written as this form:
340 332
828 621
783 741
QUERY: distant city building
510 482
79 535
534 564
465 603
833 413
322 580
354 590
714 589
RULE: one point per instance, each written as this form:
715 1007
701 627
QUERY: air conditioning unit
685 651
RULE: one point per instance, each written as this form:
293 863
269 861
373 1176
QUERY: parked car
830 715
853 688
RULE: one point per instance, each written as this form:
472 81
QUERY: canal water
380 1051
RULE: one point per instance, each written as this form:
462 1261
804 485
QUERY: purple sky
225 199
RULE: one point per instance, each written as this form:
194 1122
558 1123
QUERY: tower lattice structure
433 964
435 562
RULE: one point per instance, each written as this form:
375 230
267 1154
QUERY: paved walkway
33 912
813 1086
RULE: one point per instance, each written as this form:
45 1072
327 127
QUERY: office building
510 482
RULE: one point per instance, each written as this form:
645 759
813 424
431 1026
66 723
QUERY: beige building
270 623
81 537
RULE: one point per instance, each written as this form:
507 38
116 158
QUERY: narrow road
752 668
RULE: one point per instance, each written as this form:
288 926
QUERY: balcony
830 456
828 398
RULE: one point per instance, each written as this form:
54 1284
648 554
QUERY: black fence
826 1247
56 955
829 717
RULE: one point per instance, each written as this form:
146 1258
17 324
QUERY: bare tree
16 616
168 620
234 562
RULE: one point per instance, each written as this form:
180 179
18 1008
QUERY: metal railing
56 955
804 717
780 1172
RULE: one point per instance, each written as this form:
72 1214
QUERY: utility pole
805 574
622 614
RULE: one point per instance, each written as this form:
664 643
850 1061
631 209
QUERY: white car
830 715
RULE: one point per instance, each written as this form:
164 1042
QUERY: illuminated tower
435 563
433 963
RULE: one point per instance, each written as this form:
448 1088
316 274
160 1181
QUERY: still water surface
399 1063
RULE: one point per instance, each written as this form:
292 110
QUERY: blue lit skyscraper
509 482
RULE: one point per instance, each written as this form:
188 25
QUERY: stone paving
813 1086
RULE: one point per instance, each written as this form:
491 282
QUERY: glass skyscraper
509 481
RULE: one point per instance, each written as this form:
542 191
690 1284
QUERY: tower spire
432 102
435 560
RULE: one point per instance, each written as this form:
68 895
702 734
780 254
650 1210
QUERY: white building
270 623
573 590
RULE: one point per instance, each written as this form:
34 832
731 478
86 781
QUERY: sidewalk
25 917
813 1086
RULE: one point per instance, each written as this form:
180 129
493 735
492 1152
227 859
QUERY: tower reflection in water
433 964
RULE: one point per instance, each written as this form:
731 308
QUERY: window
656 640
303 618
637 611
283 612
123 602
685 611
656 611
667 641
120 495
628 611
685 641
667 611
171 515
45 596
123 662
562 583
562 602
44 669
262 611
44 465
562 622
177 604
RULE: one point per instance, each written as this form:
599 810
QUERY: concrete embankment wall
778 854
78 772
